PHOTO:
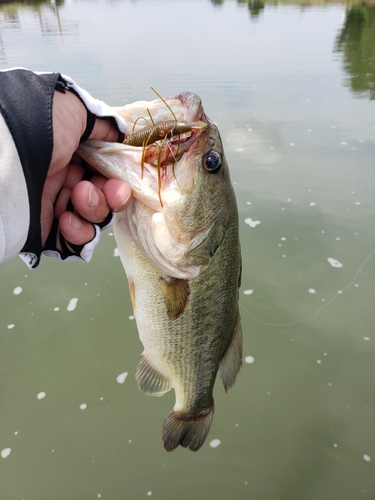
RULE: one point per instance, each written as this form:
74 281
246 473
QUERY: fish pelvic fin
231 361
149 380
186 430
176 295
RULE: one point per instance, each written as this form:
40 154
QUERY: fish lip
193 105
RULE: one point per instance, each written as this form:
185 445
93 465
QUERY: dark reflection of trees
255 7
356 42
28 3
48 17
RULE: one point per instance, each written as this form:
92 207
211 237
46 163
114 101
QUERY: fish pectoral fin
149 380
176 295
189 431
231 361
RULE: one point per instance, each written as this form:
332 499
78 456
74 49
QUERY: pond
291 87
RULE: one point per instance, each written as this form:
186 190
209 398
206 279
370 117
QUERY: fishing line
321 307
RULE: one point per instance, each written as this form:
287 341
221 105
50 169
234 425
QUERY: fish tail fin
189 431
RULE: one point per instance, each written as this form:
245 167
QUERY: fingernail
126 193
93 197
75 222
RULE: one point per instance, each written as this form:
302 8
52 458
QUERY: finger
75 229
104 130
118 194
90 202
62 201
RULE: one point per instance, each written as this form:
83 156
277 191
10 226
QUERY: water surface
291 88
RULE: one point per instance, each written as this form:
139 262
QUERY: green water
291 90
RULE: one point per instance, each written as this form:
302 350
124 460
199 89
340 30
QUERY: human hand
92 199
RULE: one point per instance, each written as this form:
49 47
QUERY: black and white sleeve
26 145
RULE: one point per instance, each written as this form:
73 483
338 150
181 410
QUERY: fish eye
212 162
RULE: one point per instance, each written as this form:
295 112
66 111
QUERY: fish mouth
186 107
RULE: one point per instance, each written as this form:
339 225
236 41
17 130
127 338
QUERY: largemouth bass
179 245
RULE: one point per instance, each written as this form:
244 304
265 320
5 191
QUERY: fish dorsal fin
231 361
149 380
176 295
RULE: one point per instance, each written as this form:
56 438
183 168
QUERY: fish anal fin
188 431
176 295
231 361
149 380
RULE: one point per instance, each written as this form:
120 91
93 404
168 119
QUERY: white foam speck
12 325
132 316
149 493
251 222
16 433
312 290
283 238
357 203
215 443
248 292
17 290
339 292
335 445
83 406
318 361
366 338
343 143
312 204
99 495
291 143
41 395
249 360
334 263
116 252
248 203
110 234
72 304
56 309
365 457
5 452
122 377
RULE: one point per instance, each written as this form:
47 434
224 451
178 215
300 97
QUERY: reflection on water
299 423
48 17
356 41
